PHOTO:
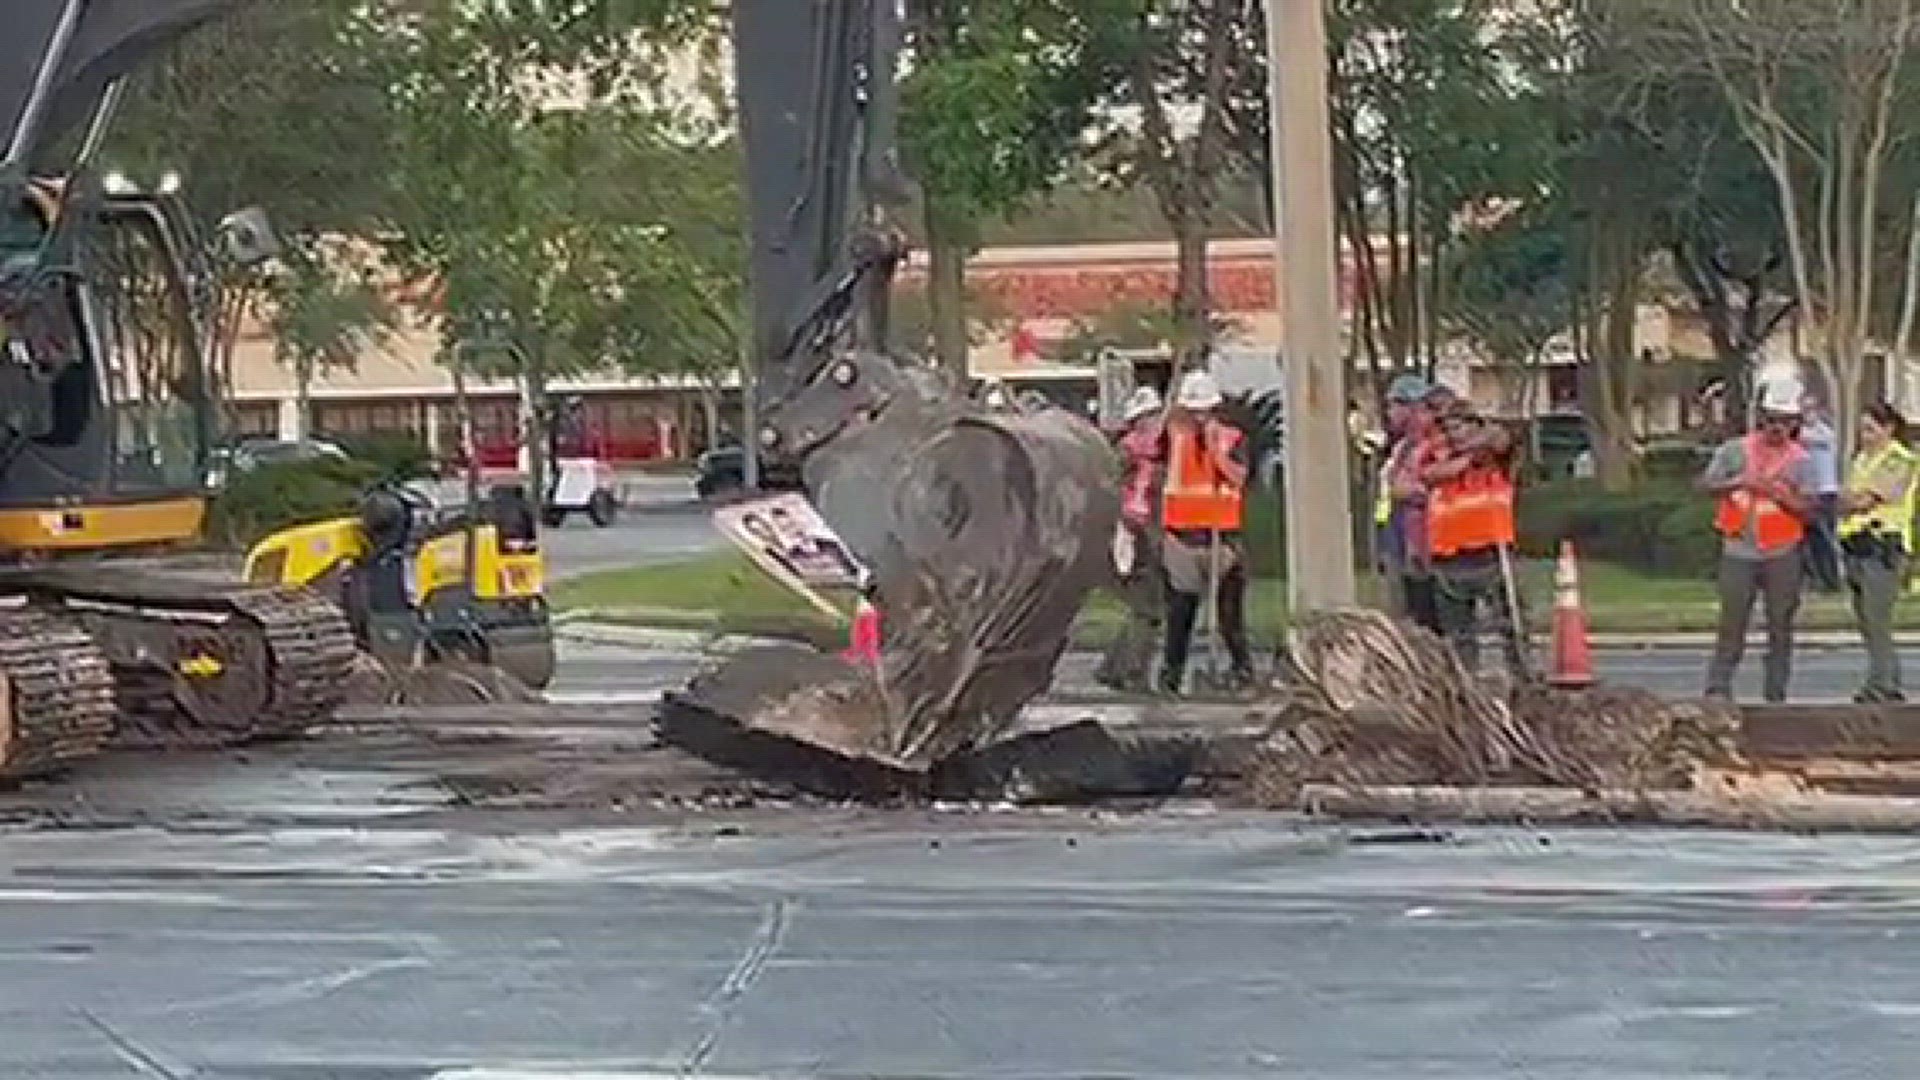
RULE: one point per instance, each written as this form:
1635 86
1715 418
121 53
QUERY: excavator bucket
984 532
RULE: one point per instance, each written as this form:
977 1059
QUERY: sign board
785 536
1116 385
1249 372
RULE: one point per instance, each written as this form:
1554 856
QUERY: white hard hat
1199 390
1782 396
1144 400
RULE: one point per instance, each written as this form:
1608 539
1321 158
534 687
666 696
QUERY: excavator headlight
844 374
769 438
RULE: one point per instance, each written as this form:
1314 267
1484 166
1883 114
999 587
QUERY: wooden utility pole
1320 571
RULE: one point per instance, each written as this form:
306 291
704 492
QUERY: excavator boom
58 57
816 91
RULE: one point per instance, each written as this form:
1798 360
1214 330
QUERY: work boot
1873 695
1170 682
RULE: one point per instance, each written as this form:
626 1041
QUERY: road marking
745 971
562 1072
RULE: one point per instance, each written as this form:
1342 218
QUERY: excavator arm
816 93
815 82
58 58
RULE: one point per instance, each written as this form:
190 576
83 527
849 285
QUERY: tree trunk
302 397
710 412
1613 361
749 420
1901 388
534 379
947 289
1192 319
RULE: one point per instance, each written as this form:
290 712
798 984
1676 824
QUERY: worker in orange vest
1470 534
1128 663
1764 484
1201 507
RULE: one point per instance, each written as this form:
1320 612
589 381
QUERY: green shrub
1265 534
260 501
1660 525
1688 542
1673 459
395 456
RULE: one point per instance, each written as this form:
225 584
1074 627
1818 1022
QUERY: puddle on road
312 854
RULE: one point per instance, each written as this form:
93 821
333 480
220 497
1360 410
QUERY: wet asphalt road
843 945
344 924
661 522
330 923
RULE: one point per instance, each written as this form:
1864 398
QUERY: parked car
1558 440
246 455
722 472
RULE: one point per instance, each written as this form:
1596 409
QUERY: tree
911 319
1512 286
539 176
993 109
1823 92
326 308
268 107
1171 88
1652 163
1435 115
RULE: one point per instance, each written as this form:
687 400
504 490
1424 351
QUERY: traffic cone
1572 654
863 645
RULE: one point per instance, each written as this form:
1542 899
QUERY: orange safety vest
1774 526
1197 497
1471 511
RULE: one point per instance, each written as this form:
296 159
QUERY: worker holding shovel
1201 510
1127 665
1470 526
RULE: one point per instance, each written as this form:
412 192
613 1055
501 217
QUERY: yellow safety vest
1383 499
1897 519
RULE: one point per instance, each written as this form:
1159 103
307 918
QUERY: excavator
982 547
108 633
112 631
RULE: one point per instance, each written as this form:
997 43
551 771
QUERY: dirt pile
1375 702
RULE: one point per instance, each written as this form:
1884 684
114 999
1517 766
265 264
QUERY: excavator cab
108 409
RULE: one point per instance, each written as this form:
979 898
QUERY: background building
1037 302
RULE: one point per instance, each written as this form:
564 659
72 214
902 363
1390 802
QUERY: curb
1701 640
679 634
587 632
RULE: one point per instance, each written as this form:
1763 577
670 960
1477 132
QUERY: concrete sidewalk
1698 640
588 626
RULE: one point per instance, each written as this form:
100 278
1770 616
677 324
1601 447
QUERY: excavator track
199 662
58 694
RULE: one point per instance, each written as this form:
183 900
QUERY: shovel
1508 580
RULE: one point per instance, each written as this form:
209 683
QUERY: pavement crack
720 1004
133 1055
296 991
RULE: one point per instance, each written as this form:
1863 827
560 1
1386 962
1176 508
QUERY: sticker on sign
786 537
